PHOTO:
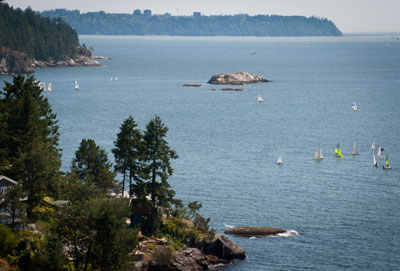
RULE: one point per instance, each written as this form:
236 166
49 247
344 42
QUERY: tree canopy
36 36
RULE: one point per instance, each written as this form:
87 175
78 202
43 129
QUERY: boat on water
375 162
116 78
318 154
279 162
111 79
373 146
252 52
338 151
354 106
386 165
380 156
76 85
260 99
49 87
354 149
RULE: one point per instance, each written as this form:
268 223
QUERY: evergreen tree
158 168
91 165
128 152
30 140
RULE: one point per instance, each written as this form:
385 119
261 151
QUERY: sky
350 16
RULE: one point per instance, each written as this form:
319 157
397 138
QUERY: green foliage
158 167
97 233
30 141
129 152
12 199
38 37
91 165
8 241
164 255
230 25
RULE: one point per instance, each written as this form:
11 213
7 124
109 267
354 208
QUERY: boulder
222 247
238 78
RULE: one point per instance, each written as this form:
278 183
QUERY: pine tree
158 167
128 152
31 140
91 165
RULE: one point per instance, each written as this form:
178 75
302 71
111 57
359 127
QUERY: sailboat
279 162
354 149
375 163
373 146
338 151
252 52
49 87
116 78
111 79
354 106
318 154
76 85
380 156
386 165
260 99
42 86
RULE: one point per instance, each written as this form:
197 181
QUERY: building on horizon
196 14
147 13
137 12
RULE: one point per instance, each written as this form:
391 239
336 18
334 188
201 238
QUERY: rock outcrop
254 231
16 62
238 78
207 255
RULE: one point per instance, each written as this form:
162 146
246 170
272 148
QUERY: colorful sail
338 151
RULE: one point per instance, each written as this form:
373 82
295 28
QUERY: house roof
2 177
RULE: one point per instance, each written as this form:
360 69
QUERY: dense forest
36 36
77 220
232 25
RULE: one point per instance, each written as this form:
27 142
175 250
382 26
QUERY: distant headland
28 40
145 23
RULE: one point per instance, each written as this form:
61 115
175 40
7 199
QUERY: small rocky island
259 232
238 78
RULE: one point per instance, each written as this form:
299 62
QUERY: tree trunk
153 200
123 182
130 182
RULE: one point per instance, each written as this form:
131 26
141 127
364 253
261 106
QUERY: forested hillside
36 36
232 25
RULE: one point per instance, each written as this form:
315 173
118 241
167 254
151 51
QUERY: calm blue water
346 211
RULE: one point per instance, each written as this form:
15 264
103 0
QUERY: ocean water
345 211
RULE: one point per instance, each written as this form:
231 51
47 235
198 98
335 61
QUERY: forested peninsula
101 23
28 40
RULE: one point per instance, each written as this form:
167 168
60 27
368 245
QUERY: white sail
260 99
279 162
375 163
380 153
111 79
49 87
116 78
321 156
316 154
76 85
354 106
373 146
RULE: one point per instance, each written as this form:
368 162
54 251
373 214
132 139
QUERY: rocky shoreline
154 255
12 61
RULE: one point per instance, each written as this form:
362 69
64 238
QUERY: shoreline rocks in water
205 255
238 78
192 85
12 61
254 231
233 89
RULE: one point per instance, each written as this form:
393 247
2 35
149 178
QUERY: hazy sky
348 15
